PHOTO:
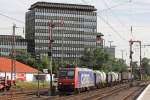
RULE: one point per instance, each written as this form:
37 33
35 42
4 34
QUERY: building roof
5 66
62 6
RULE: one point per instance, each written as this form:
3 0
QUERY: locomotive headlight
72 83
60 83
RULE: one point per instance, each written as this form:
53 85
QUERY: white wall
28 76
48 77
8 75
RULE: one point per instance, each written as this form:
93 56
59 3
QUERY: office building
75 29
7 42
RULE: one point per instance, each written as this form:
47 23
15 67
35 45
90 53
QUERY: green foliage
119 65
45 62
98 59
145 63
135 70
87 59
27 58
23 57
30 85
55 66
30 62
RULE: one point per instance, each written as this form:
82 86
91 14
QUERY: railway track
134 93
104 94
20 95
98 94
85 95
126 94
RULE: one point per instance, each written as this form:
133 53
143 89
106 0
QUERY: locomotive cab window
66 74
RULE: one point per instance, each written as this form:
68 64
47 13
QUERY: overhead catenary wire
109 8
110 26
115 6
11 18
116 17
113 15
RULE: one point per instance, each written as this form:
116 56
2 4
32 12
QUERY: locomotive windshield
66 74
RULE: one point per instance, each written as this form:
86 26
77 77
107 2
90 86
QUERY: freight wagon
126 76
100 79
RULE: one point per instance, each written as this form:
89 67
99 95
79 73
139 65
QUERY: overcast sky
114 21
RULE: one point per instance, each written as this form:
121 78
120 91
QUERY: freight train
83 79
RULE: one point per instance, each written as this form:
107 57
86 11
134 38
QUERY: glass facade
77 32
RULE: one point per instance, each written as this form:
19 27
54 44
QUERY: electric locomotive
75 79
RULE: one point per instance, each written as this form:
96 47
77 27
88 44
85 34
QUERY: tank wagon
100 79
112 78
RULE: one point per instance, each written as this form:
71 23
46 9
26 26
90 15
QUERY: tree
56 66
119 65
27 58
87 59
135 70
145 63
99 59
30 62
38 65
45 62
23 56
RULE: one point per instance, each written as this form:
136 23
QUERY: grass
30 85
147 78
